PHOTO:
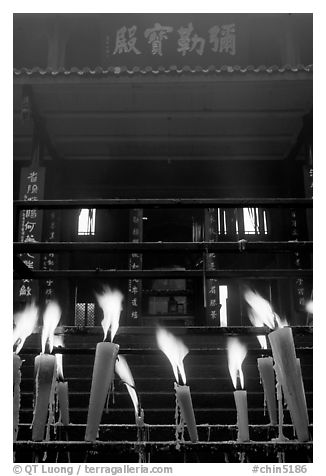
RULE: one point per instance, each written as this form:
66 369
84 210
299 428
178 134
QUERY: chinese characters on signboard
299 283
135 262
212 294
30 227
49 259
129 40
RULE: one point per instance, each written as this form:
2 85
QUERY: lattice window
85 314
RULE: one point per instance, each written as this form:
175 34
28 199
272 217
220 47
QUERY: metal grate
80 312
90 314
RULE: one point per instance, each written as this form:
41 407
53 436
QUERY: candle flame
256 323
58 342
175 350
51 318
123 370
25 323
310 307
236 355
111 303
261 312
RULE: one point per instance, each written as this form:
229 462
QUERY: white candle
284 355
62 392
303 401
103 373
17 362
281 436
45 369
265 367
240 398
187 411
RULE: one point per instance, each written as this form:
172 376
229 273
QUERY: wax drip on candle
179 424
279 393
141 437
35 397
51 418
17 399
280 457
17 344
242 457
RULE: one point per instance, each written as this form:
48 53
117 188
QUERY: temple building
163 196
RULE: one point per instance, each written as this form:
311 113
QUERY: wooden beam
189 247
165 203
189 330
174 274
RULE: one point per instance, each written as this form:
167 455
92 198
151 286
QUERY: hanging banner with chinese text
135 262
212 294
49 260
30 229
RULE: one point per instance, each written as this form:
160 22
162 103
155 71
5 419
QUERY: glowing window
254 221
221 222
223 290
86 221
250 221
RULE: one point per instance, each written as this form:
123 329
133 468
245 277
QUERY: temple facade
167 157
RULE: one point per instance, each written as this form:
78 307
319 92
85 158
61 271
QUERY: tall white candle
284 355
25 323
63 398
236 355
266 370
103 373
187 411
279 392
17 362
45 368
62 385
240 398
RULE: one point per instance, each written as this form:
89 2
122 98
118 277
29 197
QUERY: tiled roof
154 70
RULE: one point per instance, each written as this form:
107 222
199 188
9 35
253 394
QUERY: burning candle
25 323
266 371
265 364
279 392
175 350
236 355
45 373
184 398
17 362
61 386
45 366
283 349
281 340
105 357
